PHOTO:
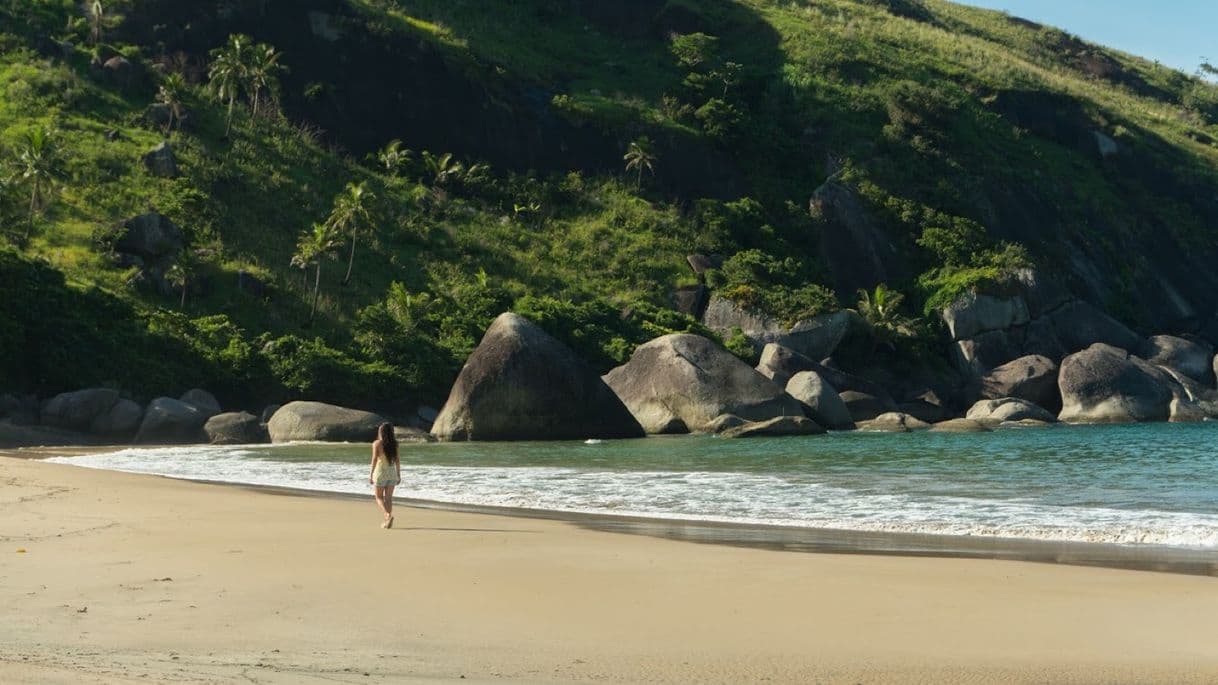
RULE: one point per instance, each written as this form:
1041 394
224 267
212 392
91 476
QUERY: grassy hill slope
947 144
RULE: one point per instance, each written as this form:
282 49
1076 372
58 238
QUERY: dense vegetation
394 173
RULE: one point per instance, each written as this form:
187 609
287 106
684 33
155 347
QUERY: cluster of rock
1037 343
102 416
522 384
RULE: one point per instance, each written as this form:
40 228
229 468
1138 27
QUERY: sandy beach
128 578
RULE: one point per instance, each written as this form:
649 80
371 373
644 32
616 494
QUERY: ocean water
1153 484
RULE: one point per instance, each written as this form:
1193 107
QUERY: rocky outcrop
78 410
202 400
1105 384
235 428
161 162
820 400
1027 315
780 364
150 236
1032 378
782 425
1193 359
682 382
171 421
994 412
725 422
816 337
317 421
893 422
855 247
522 384
960 426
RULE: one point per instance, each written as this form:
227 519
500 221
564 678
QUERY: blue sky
1177 33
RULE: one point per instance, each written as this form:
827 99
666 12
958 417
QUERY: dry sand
128 578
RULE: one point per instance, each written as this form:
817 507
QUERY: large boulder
1032 378
170 421
150 236
863 406
820 400
893 422
235 428
121 421
1105 384
960 426
997 411
816 337
202 400
782 425
317 421
78 410
682 382
161 162
973 314
522 384
1193 359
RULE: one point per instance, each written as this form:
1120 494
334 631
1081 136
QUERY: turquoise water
1144 484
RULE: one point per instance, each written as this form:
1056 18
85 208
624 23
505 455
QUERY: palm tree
312 247
393 156
442 168
264 68
229 73
638 157
97 17
171 94
350 216
39 166
880 308
180 274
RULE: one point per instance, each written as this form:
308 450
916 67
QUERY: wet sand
129 578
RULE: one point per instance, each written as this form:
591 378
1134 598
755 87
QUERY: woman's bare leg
380 500
389 500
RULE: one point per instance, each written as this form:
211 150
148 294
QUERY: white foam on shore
773 499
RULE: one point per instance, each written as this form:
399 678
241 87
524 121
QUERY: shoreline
1155 558
118 577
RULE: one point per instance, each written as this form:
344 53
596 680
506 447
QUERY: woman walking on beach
386 470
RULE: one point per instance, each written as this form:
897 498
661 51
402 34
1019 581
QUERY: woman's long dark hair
389 442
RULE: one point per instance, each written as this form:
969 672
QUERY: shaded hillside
831 144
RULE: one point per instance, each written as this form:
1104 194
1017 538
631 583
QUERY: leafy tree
351 216
639 156
263 73
311 248
229 73
172 94
40 167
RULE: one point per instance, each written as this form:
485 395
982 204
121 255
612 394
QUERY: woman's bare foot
389 521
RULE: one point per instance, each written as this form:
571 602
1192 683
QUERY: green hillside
821 146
